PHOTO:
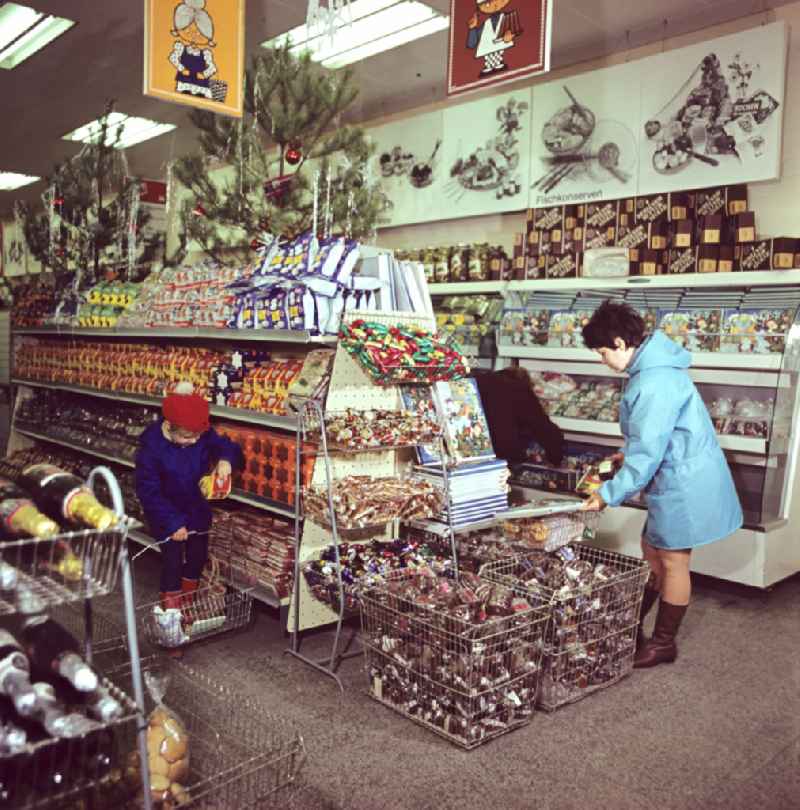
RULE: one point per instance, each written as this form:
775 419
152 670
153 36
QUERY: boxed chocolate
709 201
602 215
574 216
754 256
707 259
744 227
566 266
697 330
534 242
783 249
711 229
727 259
652 208
546 219
736 199
519 244
632 238
518 268
658 235
529 220
683 260
683 233
651 262
681 206
537 266
564 242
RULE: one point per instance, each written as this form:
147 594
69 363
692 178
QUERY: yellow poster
194 53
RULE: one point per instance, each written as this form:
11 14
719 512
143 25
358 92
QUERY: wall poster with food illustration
583 142
408 161
712 113
486 155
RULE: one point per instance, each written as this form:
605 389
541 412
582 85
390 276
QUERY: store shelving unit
765 550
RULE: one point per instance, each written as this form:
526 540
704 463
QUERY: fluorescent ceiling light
23 31
134 130
366 27
10 180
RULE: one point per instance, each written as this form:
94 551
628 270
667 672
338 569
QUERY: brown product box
602 214
658 235
652 208
727 259
518 268
708 259
536 267
529 220
744 227
683 233
556 240
710 201
632 236
681 206
565 266
599 237
651 262
783 249
754 256
711 229
574 216
683 260
567 244
627 206
547 219
634 269
520 240
626 220
736 199
496 267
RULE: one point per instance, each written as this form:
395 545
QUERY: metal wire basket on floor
239 754
595 598
468 675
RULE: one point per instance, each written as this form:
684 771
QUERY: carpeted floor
720 728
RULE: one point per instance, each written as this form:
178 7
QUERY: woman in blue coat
671 453
174 454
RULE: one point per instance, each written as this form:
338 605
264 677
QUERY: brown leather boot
661 649
649 598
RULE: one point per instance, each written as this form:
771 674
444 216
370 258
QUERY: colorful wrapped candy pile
354 430
364 566
595 610
392 354
461 658
361 501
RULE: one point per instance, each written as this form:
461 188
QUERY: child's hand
223 469
185 72
180 535
199 76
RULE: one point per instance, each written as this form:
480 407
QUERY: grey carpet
720 728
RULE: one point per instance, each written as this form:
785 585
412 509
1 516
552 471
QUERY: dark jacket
167 478
516 418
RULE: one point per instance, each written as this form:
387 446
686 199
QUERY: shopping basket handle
113 486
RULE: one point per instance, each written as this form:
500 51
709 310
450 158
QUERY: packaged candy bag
214 487
167 747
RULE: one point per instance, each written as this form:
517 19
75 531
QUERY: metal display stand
102 556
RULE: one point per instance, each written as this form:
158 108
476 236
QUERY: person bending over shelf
671 453
174 454
516 417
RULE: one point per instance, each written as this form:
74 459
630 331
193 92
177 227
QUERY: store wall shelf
80 448
189 333
767 278
468 287
262 503
759 362
237 414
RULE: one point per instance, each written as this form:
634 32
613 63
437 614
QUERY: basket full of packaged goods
210 747
595 597
548 523
461 657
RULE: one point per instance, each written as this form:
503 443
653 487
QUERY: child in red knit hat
174 454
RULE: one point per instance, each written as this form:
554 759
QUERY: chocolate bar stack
553 243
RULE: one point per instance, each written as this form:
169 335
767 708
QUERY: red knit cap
187 411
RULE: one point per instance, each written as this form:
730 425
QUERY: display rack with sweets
579 396
595 597
755 331
742 417
354 430
468 319
105 303
364 566
462 658
34 304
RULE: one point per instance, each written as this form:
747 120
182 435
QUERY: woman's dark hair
612 321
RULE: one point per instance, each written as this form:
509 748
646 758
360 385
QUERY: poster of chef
408 163
712 113
486 155
494 41
194 53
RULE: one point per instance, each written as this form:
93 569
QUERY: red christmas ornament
58 202
199 211
294 153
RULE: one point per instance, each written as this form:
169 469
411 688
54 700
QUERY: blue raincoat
167 478
672 453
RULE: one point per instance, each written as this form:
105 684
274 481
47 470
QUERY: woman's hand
181 535
594 503
618 459
223 469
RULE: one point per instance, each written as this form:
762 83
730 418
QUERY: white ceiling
66 84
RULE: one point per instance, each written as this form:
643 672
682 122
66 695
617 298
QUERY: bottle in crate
65 496
12 736
19 516
15 675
